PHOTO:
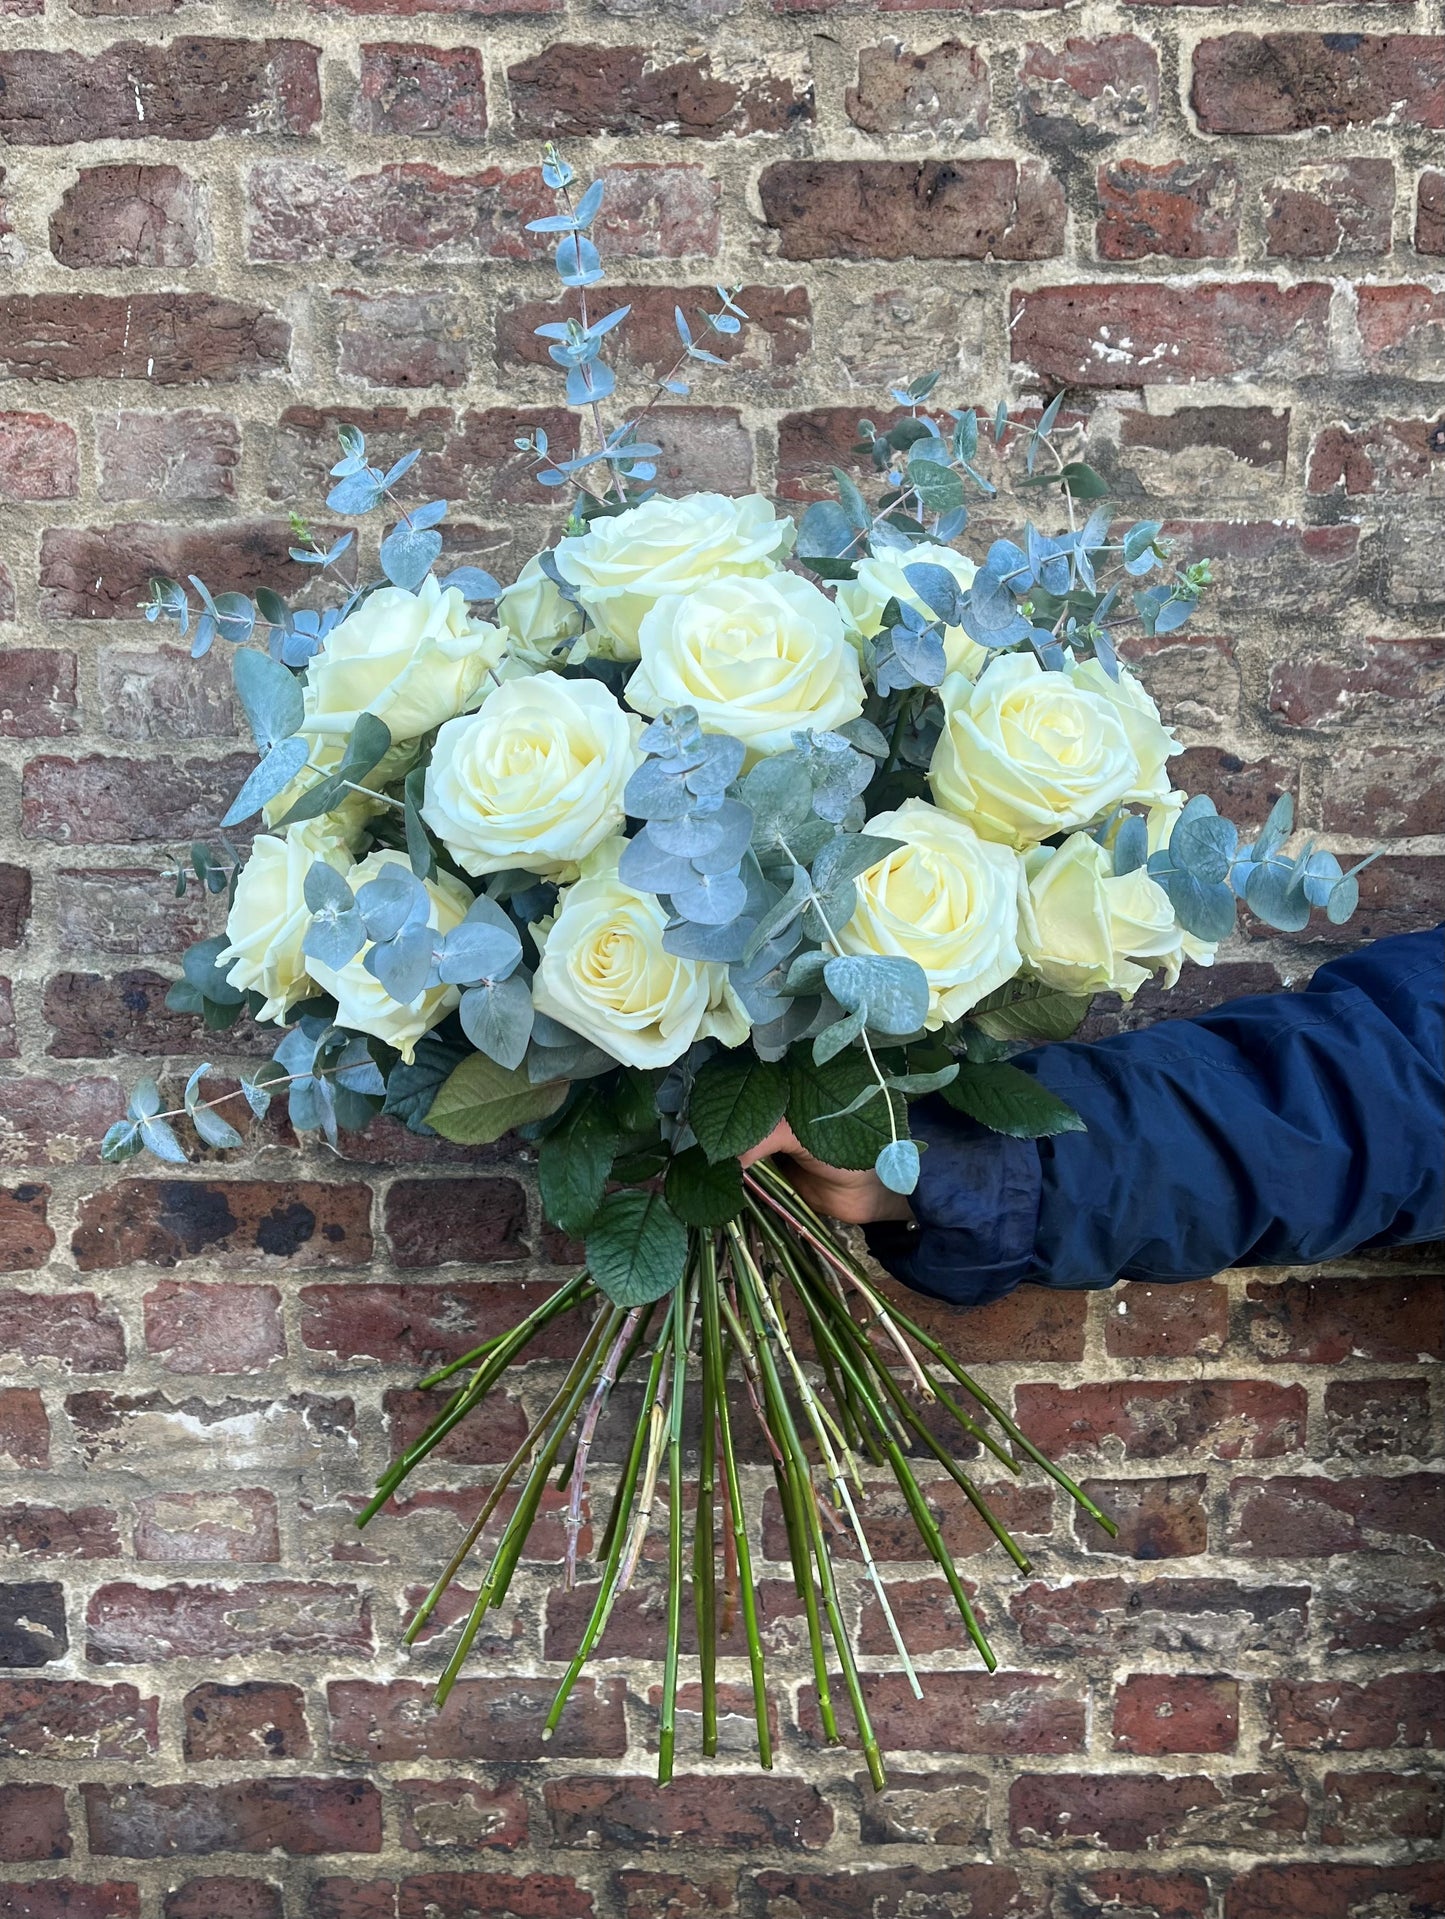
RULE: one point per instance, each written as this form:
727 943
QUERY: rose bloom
269 915
1025 753
946 899
363 1004
605 974
1085 929
757 658
1152 743
535 779
542 628
861 600
622 565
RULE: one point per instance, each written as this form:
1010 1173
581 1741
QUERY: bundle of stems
863 1395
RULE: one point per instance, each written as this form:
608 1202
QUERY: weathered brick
401 339
1304 571
424 1325
943 91
243 1223
452 1895
227 1526
473 456
1026 1511
493 1721
223 1897
1244 790
46 1122
1401 329
1285 82
1157 1518
960 1712
1331 208
26 1238
33 1824
296 1816
192 1327
1118 335
442 1813
1216 1618
487 1437
1307 1518
37 692
1153 1419
93 1016
167 339
783 1814
896 210
1338 1715
188 89
1152 1894
570 92
257 1721
32 1622
53 1532
1326 1320
1430 212
1144 1321
676 1895
149 1433
130 216
1399 682
1361 1807
936 1808
1135 1812
61 1898
417 90
39 458
69 1719
1201 453
1094 88
893 1892
1378 1418
1182 1712
472 1221
74 1330
1186 209
24 1427
1362 1618
125 910
127 1623
1333 1891
15 893
1380 456
190 454
1395 792
104 573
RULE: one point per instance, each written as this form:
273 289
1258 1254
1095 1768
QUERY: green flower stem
667 1721
704 1560
576 1292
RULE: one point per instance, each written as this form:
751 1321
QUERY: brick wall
224 228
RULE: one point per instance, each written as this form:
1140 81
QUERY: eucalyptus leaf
408 553
270 695
897 1166
280 766
497 1019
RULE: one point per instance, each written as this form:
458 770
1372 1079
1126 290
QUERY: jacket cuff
976 1212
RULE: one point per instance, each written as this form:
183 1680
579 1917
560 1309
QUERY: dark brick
72 1329
54 1532
776 339
1334 1891
187 89
300 1817
577 92
1400 683
1284 82
129 1623
781 1814
32 1622
166 339
1378 1418
225 1897
1157 1518
26 1239
1339 1715
1134 1812
1164 1713
424 1325
243 1223
39 458
1153 1419
256 1722
493 1721
37 692
420 90
69 1899
1360 1807
33 1824
1334 207
893 1892
24 1427
1313 1517
896 210
55 1719
473 1221
1323 1321
959 1712
129 216
1430 212
1213 1618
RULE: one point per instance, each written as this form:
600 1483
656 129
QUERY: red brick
129 1623
419 90
1098 88
1217 1618
1311 1517
472 1221
1430 212
24 1427
26 1240
1285 82
466 10
69 1899
300 1817
442 1813
52 1532
488 1436
1143 1321
926 1614
15 890
1243 790
33 1824
1183 1712
37 692
126 910
1200 990
224 1897
676 1895
243 1223
229 1526
943 91
39 458
777 337
1027 1512
32 1622
960 1712
95 1017
491 1721
452 1895
1153 1419
632 1626
129 216
1157 1518
1338 1715
1401 683
1046 1329
569 92
896 209
1302 571
1378 1418
187 89
190 454
892 1892
167 339
424 1325
1077 335
1381 456
255 1722
52 1122
1149 1895
303 212
1401 328
786 1815
1334 207
149 1433
104 573
1392 792
1333 1891
1185 209
1135 1812
401 339
55 1719
73 1330
197 1328
1360 1807
1326 1320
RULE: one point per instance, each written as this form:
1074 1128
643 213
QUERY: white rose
363 1004
542 628
269 915
757 658
1025 754
535 779
1085 929
946 899
861 600
605 974
622 565
1152 742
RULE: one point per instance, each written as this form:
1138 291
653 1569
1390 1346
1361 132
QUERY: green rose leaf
837 1109
1008 1100
482 1100
703 1192
736 1101
1031 1014
573 1163
636 1248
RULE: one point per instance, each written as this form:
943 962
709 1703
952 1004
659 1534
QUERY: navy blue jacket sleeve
1276 1130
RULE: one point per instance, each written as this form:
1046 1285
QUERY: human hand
858 1199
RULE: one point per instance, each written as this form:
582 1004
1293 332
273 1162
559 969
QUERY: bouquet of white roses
718 820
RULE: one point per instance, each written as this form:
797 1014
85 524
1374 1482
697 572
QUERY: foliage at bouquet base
721 820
